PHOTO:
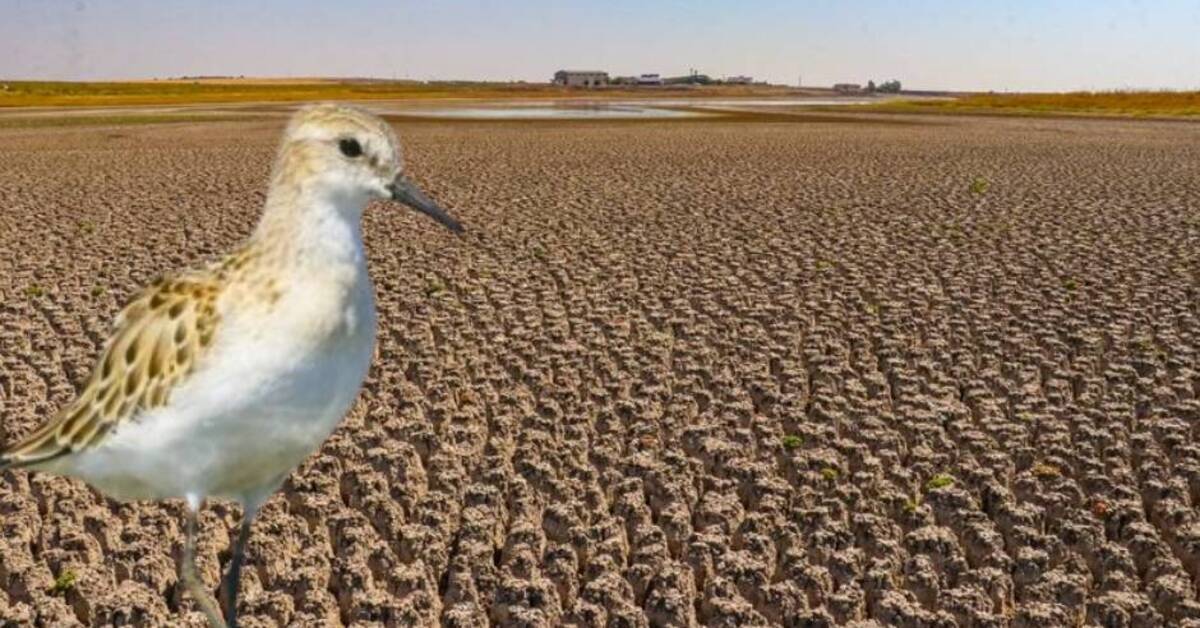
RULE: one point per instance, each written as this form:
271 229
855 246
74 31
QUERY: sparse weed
829 474
34 291
64 582
434 287
941 480
1046 471
97 291
791 441
87 227
979 185
1070 284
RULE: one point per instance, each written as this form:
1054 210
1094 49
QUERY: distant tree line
886 87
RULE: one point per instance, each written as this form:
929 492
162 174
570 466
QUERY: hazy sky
1010 45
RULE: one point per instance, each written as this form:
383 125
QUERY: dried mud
675 374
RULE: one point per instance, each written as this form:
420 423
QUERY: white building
580 78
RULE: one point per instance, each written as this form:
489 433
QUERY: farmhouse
580 78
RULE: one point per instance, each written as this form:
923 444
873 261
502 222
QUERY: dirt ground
676 373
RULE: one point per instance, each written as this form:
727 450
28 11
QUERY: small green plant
823 266
64 582
434 287
87 227
1071 285
979 185
34 291
941 480
912 505
97 291
829 474
791 441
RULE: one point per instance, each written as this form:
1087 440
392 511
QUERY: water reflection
658 108
545 111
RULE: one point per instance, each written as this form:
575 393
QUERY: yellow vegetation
208 91
1113 103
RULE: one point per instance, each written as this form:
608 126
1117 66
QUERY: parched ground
727 373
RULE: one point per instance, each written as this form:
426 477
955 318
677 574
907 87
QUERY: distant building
847 88
739 80
580 78
649 79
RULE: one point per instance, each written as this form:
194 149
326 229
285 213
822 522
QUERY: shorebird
218 382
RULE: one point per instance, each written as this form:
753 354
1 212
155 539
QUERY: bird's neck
312 228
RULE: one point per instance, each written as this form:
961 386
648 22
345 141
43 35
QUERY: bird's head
348 156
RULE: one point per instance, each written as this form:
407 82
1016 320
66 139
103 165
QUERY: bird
218 382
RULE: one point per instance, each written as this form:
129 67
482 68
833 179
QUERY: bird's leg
191 579
230 585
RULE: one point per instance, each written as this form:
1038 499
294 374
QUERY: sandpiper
219 382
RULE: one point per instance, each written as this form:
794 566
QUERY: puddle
613 111
610 110
756 103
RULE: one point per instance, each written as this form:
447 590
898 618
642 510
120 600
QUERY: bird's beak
406 192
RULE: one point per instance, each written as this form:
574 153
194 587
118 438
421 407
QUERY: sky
1015 45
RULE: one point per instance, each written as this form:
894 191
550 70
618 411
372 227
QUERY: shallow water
656 108
749 102
546 111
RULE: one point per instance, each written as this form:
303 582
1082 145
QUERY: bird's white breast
279 379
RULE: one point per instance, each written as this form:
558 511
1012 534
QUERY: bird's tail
16 460
6 460
41 446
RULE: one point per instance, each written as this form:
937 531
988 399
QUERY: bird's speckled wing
156 343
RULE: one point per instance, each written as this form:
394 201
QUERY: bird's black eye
350 147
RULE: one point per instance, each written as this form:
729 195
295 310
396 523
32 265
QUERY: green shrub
434 287
64 582
940 480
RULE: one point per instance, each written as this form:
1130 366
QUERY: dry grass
46 121
208 91
1112 103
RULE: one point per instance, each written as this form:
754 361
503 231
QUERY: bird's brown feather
156 342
